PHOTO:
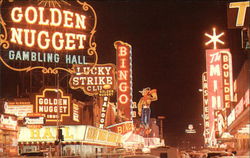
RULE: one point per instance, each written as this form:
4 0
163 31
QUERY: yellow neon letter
27 11
39 40
80 21
19 15
242 7
123 87
69 42
123 98
41 13
123 75
68 18
214 70
61 41
47 134
26 36
16 36
55 11
122 51
81 38
35 134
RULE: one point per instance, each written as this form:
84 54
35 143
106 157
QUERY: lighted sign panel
93 80
48 134
101 136
207 126
50 101
227 76
20 109
8 122
48 35
214 77
238 14
103 112
122 128
124 78
219 73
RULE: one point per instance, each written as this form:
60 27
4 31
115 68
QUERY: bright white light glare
214 38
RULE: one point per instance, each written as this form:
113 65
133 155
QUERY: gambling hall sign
47 35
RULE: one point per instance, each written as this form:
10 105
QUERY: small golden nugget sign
46 34
93 80
51 102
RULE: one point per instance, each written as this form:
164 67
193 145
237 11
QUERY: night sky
167 39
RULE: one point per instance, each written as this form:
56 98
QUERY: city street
124 78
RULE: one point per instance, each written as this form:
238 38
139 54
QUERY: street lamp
59 137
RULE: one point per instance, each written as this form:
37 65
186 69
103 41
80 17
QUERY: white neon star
214 38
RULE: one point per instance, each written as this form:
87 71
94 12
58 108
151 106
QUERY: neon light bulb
214 38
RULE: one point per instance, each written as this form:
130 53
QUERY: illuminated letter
123 99
19 16
39 36
216 102
242 7
26 36
41 13
214 70
11 55
31 21
122 51
68 18
81 38
35 134
69 41
16 36
66 133
61 41
80 20
123 62
47 134
123 87
59 17
123 75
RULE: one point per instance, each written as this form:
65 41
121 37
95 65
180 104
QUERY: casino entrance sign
47 35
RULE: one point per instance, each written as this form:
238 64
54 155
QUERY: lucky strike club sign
51 102
93 80
42 34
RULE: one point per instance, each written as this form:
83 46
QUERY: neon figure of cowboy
144 110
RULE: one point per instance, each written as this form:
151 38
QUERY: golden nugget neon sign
51 102
53 17
45 35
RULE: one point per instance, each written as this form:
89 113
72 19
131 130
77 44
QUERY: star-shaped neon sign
214 38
